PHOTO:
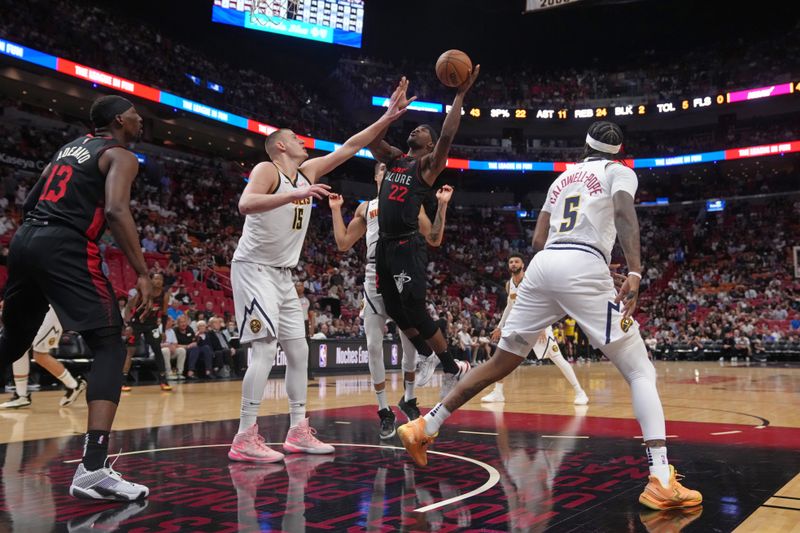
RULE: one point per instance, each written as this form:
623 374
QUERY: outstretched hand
399 101
473 75
317 190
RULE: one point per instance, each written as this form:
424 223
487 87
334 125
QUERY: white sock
67 379
21 382
297 413
567 370
435 418
248 414
383 403
659 466
409 394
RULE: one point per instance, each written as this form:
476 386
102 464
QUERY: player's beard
515 271
414 144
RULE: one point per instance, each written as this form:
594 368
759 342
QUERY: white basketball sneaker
495 396
581 398
105 484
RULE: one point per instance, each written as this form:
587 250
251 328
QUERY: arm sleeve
506 312
622 179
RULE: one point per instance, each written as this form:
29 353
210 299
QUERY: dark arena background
707 95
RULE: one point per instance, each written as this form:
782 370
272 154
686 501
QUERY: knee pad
105 380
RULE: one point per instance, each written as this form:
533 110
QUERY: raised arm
434 233
317 167
259 195
434 163
627 224
346 237
381 150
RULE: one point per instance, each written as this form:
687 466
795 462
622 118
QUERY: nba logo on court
323 355
394 354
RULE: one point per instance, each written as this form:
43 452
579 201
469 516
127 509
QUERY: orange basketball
453 68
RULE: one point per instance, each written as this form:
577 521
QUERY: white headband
602 147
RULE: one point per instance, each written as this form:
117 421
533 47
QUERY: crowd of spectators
95 36
651 76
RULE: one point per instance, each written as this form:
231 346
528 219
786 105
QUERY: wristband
635 274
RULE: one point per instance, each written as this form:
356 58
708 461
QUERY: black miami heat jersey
73 193
402 193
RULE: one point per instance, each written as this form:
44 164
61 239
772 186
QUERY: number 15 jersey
73 191
581 206
275 237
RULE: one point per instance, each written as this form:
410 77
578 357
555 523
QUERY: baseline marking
494 475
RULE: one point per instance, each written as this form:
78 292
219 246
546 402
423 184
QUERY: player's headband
602 147
106 108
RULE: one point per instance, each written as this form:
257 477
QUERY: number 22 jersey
74 190
581 206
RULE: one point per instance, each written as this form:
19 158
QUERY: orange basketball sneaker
675 496
415 440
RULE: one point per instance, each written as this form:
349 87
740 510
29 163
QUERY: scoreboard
327 21
624 109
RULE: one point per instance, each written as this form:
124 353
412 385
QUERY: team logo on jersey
51 341
555 348
255 325
401 279
626 324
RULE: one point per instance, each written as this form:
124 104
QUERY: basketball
453 68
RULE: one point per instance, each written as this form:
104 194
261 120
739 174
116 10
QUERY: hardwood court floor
557 467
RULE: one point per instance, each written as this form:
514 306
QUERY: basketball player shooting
401 253
277 206
365 222
586 208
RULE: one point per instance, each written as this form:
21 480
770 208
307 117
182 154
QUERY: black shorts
401 265
57 264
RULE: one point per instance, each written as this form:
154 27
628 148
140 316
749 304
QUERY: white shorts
267 305
49 333
546 345
572 282
373 302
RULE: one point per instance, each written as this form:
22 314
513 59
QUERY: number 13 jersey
72 193
581 206
275 237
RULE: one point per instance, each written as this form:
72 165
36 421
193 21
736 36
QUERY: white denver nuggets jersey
581 207
373 232
275 238
511 290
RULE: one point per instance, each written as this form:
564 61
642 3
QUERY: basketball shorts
563 282
49 333
57 264
400 266
267 305
373 301
546 345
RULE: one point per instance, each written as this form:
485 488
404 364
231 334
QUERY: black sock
448 363
95 449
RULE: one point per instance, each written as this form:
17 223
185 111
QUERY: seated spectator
234 360
171 351
187 340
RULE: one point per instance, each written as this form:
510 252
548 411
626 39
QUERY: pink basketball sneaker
301 439
250 447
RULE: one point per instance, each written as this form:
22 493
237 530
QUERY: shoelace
309 432
111 472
